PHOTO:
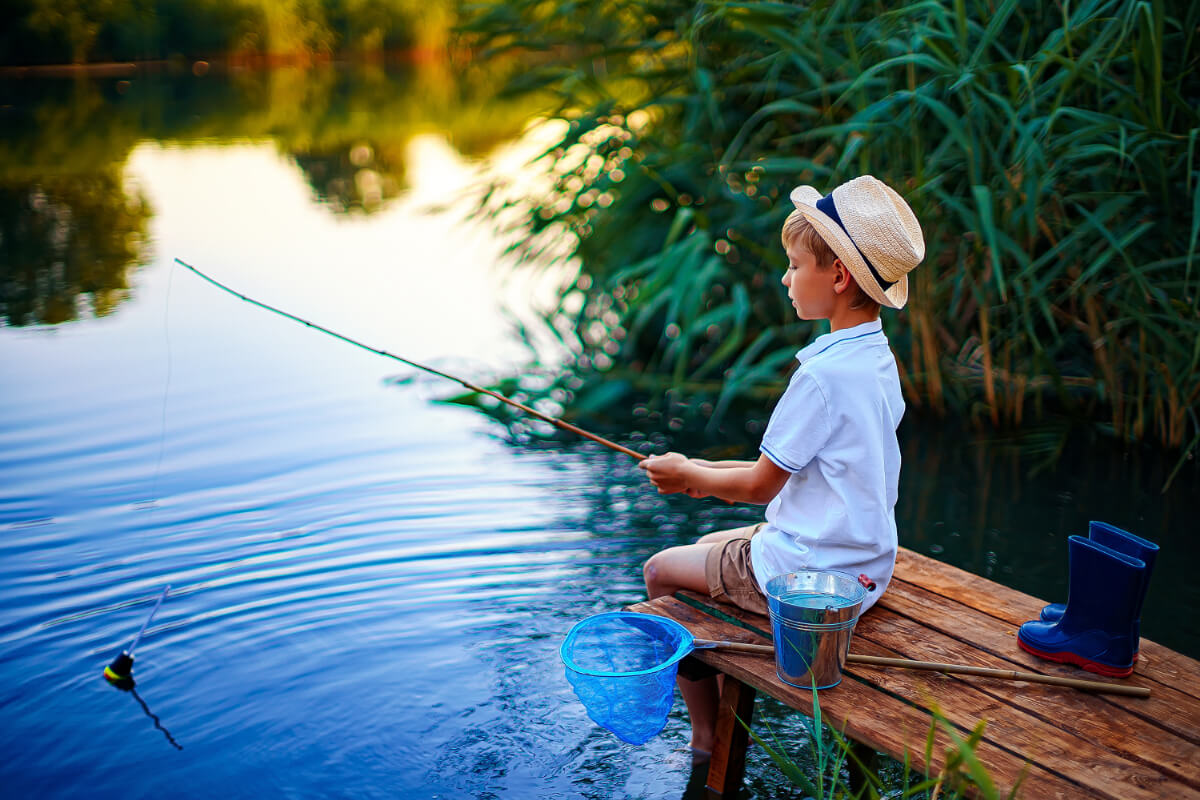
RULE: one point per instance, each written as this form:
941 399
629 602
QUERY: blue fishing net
622 666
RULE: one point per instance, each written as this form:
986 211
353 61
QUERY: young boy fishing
829 462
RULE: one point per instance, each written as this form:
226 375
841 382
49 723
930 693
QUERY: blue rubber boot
1124 542
1098 629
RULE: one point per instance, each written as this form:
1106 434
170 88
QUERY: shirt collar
828 340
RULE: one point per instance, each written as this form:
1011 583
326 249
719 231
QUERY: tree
79 21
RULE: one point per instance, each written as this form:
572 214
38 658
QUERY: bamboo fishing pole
533 412
958 669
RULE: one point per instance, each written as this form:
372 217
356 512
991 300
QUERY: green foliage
79 31
1050 152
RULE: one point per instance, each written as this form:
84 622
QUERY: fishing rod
566 426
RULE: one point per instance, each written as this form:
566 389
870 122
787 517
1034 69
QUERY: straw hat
872 230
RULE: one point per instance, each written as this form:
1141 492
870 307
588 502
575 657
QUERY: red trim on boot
1067 657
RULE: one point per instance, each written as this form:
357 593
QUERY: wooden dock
1058 742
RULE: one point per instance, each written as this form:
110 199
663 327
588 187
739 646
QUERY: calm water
369 587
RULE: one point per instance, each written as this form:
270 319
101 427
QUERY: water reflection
71 228
128 685
67 243
359 179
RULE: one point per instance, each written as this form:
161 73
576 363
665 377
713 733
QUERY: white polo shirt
834 429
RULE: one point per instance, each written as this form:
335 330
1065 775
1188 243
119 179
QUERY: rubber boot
1124 542
1098 629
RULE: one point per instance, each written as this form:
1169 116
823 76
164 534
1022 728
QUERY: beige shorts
730 575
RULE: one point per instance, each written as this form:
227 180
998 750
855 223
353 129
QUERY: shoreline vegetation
56 32
1052 154
242 61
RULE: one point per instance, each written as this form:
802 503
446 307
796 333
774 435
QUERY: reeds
838 770
1049 150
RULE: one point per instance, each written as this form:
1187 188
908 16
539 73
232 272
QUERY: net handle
741 647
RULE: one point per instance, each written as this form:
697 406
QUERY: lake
369 585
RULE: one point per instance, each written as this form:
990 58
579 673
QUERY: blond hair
798 230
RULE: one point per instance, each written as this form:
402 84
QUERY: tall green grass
1049 150
836 767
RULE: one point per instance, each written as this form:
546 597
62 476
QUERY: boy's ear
843 280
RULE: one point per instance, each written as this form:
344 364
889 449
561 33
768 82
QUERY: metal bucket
813 613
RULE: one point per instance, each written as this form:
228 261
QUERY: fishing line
470 386
162 429
120 672
92 612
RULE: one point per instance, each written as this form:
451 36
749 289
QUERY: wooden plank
759 624
1167 707
1067 731
1156 661
1099 772
728 764
1175 708
861 763
861 711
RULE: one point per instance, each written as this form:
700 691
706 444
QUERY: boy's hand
668 473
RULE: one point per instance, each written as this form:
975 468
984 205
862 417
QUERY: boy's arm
722 464
741 482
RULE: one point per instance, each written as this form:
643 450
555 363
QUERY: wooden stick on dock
958 669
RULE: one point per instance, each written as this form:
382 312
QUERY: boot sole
1043 619
1135 652
1067 657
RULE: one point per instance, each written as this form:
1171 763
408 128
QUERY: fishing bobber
120 672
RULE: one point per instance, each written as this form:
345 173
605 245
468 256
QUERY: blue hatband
826 206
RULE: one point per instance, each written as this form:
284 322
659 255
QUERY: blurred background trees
81 31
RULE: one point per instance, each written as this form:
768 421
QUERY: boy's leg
716 537
667 572
675 568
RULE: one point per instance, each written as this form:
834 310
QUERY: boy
829 462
